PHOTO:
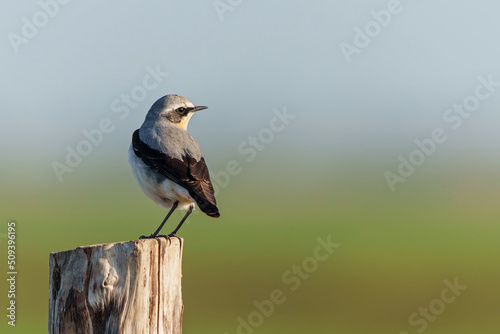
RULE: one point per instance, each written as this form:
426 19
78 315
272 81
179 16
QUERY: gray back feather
170 139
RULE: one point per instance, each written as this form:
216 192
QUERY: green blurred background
395 249
322 176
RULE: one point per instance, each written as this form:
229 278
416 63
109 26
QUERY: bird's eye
182 110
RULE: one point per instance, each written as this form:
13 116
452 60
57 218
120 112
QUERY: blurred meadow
320 176
395 249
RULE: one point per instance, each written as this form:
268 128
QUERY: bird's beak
198 108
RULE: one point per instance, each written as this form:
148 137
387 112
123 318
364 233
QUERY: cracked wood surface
126 287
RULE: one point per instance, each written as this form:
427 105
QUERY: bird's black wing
187 172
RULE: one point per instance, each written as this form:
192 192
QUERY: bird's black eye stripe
182 110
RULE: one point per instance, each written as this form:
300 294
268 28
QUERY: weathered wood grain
127 287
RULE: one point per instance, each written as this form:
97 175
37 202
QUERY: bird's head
174 109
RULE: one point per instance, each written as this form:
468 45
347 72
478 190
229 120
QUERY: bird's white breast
163 193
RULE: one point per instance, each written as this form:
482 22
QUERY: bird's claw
166 237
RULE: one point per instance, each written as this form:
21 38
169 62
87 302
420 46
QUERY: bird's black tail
205 206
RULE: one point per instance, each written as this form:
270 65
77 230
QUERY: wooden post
126 287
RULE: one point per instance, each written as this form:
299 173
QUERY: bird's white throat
184 122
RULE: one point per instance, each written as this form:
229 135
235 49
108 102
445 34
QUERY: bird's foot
173 235
152 236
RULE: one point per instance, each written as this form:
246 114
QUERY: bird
168 163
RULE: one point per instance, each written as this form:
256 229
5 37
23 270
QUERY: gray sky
259 56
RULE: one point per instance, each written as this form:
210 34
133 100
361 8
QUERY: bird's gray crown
172 107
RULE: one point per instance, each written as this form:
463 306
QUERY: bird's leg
154 235
166 218
182 221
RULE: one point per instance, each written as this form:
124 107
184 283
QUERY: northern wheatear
167 162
